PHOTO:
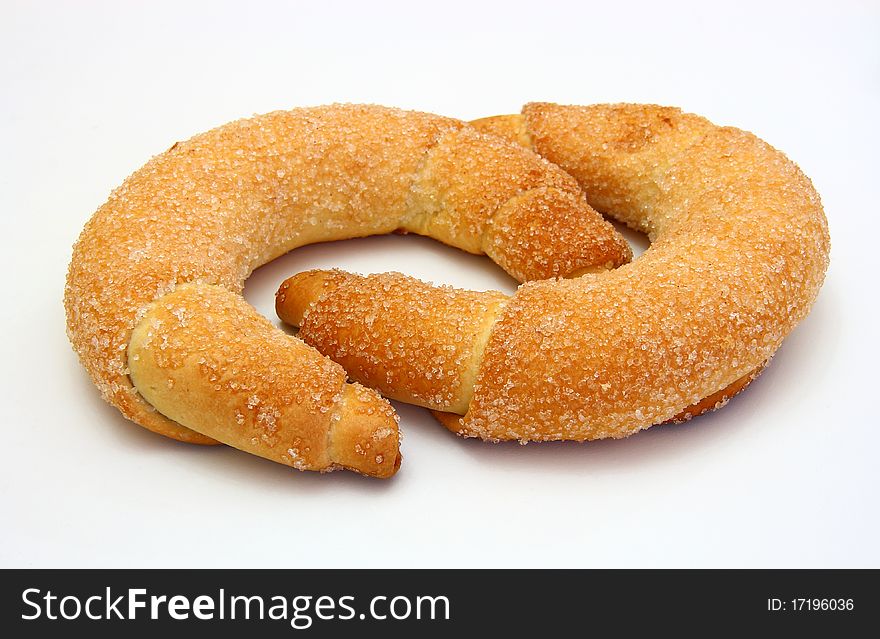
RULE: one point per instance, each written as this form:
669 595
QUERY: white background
786 475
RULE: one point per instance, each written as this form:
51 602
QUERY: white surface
786 475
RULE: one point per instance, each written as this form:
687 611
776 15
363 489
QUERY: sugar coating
740 248
739 252
548 232
215 207
512 208
410 340
211 209
243 378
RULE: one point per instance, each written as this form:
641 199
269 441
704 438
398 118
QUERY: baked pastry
739 250
153 290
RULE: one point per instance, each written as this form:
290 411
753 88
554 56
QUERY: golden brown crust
548 232
193 357
455 423
718 399
508 127
363 434
485 195
215 207
740 248
450 421
211 209
298 293
455 210
412 341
